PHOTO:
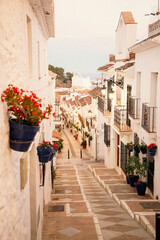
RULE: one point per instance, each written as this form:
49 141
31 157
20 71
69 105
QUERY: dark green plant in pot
137 147
143 148
141 171
131 169
130 146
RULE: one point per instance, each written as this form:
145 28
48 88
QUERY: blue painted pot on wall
21 135
152 151
141 188
143 150
44 154
51 156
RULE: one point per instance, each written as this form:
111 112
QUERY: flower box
21 135
44 154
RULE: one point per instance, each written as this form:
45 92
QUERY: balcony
103 107
121 121
134 108
149 118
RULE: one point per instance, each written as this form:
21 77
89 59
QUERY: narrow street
80 208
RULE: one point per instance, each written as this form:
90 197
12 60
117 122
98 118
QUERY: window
29 45
107 131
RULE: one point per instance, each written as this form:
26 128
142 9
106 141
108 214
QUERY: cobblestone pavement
82 209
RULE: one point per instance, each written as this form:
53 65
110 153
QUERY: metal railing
149 118
103 106
120 118
134 107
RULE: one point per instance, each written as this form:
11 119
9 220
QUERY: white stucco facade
79 81
24 64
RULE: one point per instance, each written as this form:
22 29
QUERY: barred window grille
107 134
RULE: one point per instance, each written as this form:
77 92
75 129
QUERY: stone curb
137 216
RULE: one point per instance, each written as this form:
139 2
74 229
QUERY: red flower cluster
55 146
25 106
152 145
47 144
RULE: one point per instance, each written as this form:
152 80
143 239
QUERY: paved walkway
82 205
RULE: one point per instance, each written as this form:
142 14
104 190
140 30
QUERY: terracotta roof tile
105 67
128 18
82 102
95 92
88 100
127 65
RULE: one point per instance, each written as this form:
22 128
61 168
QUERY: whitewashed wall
19 208
147 62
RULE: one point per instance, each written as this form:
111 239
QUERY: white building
129 111
146 92
25 27
119 79
79 81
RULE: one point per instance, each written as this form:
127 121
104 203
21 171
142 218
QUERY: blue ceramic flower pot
44 154
51 156
143 150
141 188
152 151
21 135
132 180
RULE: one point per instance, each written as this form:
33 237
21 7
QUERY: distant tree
62 77
69 75
58 71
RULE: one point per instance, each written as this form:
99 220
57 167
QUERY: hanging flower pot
137 147
130 146
152 149
25 106
152 152
137 150
52 155
84 146
21 135
143 150
44 154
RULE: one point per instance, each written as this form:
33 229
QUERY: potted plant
152 149
83 143
86 134
90 138
44 151
76 136
60 145
130 146
143 148
54 150
25 113
140 185
131 168
137 147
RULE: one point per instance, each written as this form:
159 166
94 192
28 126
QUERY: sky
85 32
